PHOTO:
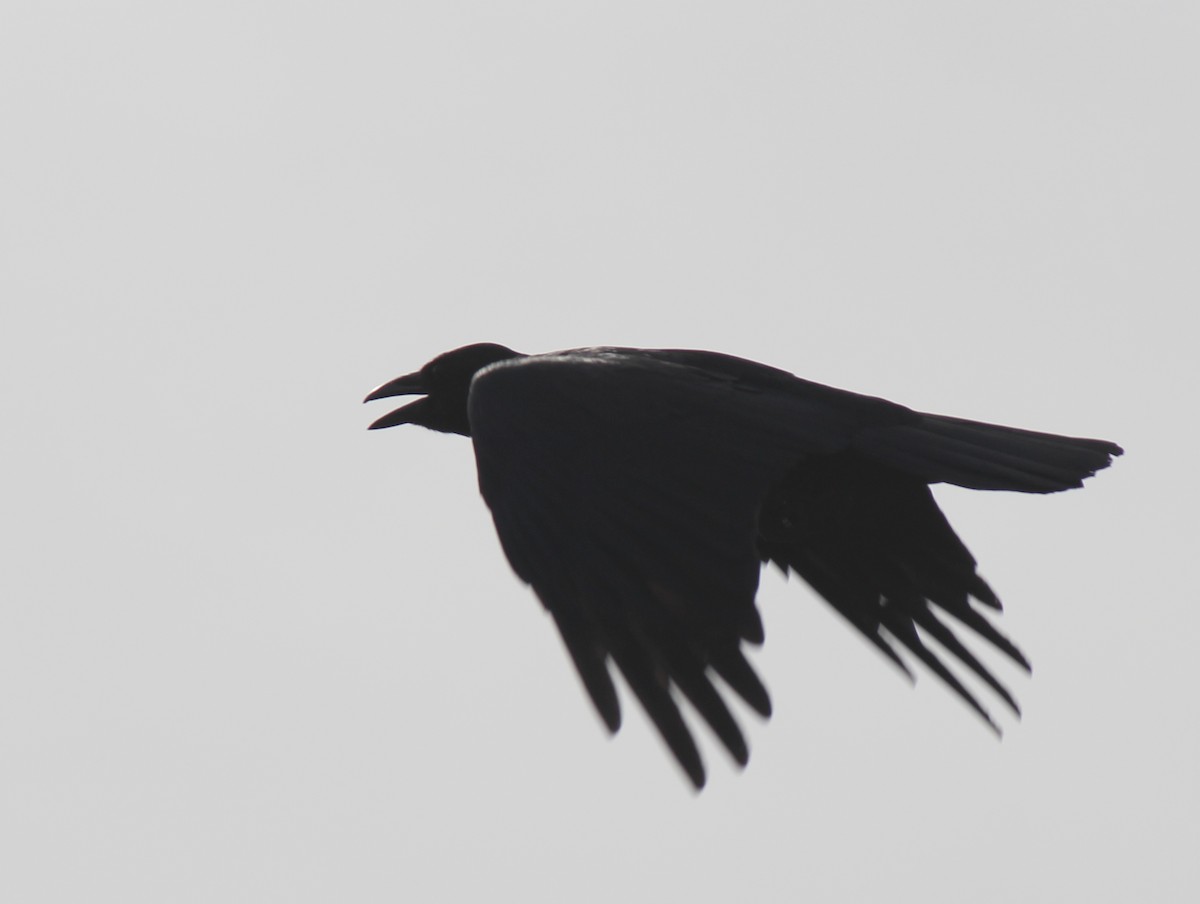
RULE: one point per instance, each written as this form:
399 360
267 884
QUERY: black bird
640 491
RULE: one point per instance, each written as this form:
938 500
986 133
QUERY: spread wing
626 492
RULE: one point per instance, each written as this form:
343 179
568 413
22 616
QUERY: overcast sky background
251 652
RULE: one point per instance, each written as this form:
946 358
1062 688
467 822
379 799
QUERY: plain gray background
250 652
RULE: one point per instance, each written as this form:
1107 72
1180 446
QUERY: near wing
626 491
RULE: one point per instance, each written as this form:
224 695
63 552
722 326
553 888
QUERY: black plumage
640 491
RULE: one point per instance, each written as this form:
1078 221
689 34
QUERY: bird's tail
941 449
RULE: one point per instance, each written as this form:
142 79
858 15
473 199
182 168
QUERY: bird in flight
640 492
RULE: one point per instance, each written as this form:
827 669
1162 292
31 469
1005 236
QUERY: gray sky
250 652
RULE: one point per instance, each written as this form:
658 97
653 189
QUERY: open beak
409 384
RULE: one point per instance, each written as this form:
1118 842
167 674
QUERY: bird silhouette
640 491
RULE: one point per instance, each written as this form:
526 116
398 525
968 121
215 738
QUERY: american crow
640 491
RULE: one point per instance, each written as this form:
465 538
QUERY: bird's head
444 382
